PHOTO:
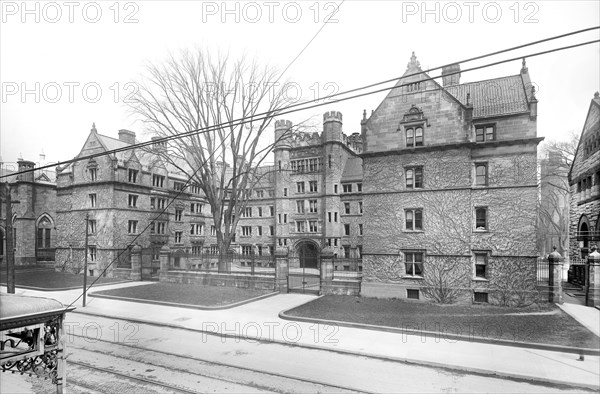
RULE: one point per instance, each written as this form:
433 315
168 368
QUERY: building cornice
469 188
456 145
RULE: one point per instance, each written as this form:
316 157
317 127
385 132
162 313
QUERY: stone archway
583 235
308 254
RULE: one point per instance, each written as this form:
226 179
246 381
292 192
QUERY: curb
65 288
501 342
187 306
430 364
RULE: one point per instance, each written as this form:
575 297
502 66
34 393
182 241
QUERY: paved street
112 355
291 356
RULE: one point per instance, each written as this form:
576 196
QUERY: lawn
202 296
53 280
537 324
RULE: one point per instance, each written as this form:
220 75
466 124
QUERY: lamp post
85 261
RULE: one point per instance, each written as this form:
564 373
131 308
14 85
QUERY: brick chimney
25 165
127 136
450 80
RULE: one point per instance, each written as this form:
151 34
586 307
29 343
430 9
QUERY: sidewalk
586 316
260 320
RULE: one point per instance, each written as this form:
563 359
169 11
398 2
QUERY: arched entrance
304 276
583 236
308 255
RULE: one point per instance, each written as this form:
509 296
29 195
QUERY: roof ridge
485 80
112 138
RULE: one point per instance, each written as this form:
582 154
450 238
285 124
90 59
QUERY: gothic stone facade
318 188
34 224
450 190
584 183
298 205
121 194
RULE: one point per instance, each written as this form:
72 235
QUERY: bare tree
553 220
195 91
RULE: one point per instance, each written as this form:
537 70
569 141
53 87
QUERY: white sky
371 41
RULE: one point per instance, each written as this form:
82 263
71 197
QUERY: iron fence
542 270
347 268
46 254
123 258
251 264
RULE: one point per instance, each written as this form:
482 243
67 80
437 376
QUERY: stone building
304 202
318 187
122 194
34 224
584 182
450 190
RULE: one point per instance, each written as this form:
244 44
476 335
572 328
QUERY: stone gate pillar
281 269
555 277
136 263
327 271
164 255
593 289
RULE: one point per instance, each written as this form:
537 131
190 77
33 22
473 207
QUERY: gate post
554 277
592 295
136 263
281 269
164 255
327 271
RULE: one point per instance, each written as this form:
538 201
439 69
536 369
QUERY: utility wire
287 110
188 181
296 110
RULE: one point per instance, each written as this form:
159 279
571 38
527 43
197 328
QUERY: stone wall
219 279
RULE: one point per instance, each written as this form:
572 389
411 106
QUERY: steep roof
594 106
493 97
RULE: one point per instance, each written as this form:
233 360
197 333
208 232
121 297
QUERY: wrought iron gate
307 277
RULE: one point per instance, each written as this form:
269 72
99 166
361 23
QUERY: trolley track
193 369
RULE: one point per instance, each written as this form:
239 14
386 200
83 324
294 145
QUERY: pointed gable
440 114
587 155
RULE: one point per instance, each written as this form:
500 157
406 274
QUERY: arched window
410 137
419 136
583 236
44 232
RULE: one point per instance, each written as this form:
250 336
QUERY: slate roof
145 158
493 97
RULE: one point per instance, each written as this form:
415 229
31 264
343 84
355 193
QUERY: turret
283 130
332 126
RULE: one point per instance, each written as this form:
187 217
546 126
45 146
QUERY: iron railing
592 235
251 264
347 268
47 254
